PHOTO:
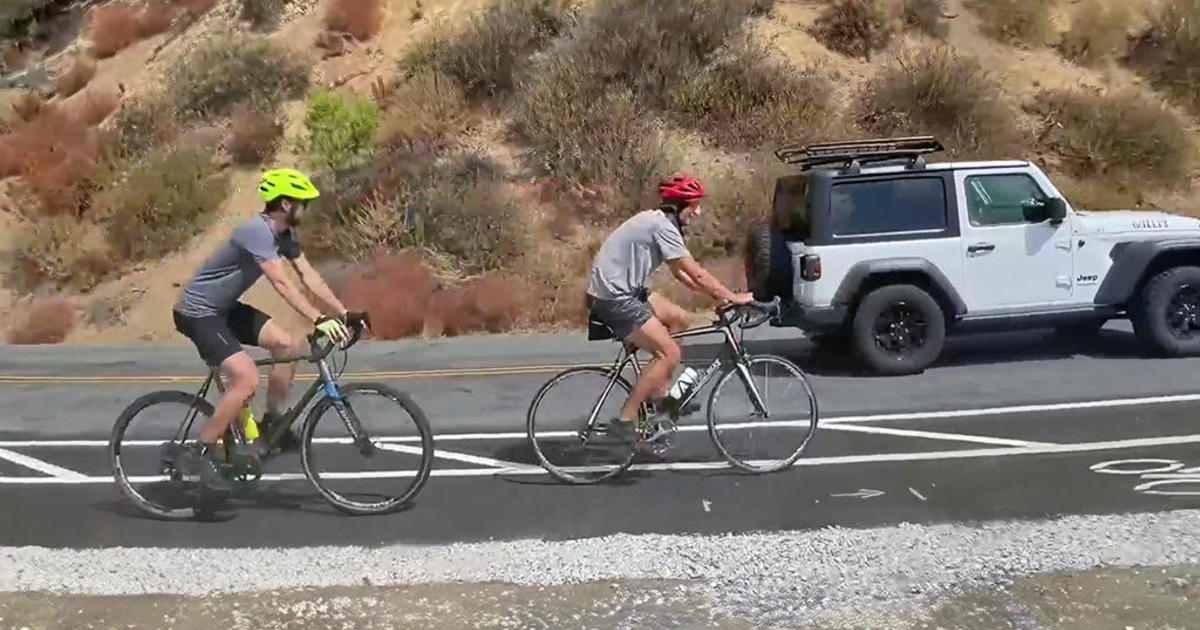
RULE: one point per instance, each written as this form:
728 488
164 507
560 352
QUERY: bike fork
345 412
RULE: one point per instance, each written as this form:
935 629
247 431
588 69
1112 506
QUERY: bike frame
628 356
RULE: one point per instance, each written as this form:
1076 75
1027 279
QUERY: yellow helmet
286 182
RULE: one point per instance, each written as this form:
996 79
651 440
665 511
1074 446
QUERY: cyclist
210 313
617 295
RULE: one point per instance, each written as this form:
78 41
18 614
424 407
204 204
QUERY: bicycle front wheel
371 455
767 438
146 441
567 445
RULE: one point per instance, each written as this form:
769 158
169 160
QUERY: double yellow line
514 370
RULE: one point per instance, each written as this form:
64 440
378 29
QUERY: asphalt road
1005 426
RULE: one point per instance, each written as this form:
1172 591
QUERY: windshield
789 211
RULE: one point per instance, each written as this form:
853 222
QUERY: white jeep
893 256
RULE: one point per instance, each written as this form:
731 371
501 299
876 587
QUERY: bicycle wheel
754 441
386 467
557 425
146 439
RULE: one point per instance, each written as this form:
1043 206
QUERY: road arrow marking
863 493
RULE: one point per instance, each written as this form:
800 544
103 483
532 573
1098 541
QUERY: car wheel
899 329
1166 317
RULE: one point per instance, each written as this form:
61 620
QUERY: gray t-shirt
632 252
234 268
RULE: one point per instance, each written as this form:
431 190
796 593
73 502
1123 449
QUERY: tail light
810 267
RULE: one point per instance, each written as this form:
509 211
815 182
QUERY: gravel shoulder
852 578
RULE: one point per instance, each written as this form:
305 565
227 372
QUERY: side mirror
1056 209
1053 209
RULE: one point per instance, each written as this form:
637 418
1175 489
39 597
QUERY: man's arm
681 276
705 281
315 283
274 271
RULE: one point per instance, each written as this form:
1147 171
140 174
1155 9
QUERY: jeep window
1000 199
907 205
790 207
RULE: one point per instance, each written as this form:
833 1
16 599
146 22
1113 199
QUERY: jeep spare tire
898 329
768 264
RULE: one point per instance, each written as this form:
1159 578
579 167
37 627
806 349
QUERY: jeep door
1011 263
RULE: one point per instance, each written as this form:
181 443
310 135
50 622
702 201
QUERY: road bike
366 447
752 429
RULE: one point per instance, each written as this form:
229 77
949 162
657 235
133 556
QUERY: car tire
1166 315
768 264
884 330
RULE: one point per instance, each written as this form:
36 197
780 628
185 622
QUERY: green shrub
161 202
263 14
139 127
1023 23
925 16
1127 138
338 128
855 28
485 54
421 197
1168 52
933 90
745 98
229 69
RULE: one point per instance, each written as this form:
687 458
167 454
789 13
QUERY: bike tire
337 499
559 472
115 444
714 431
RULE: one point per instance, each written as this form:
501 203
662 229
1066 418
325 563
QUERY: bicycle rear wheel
381 464
750 439
558 429
146 439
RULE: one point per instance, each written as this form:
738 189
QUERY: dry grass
48 320
153 19
1021 23
1168 52
1097 34
494 303
855 28
1124 139
934 90
360 18
96 105
396 289
229 69
113 27
28 106
75 77
57 155
925 16
426 107
141 126
253 135
485 54
263 14
196 8
60 251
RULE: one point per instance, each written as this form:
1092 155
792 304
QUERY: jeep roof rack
854 154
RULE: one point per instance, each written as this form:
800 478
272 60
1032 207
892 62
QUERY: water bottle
683 384
249 424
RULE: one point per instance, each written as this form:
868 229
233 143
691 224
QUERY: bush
1096 34
28 106
229 69
75 77
360 18
427 106
95 105
1168 52
745 99
338 128
154 18
253 135
161 202
925 16
48 320
1022 23
485 55
113 27
495 302
1126 138
933 90
60 251
263 14
57 155
855 28
196 8
141 126
438 199
396 289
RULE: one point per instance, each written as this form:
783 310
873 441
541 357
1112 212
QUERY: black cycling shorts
623 315
218 338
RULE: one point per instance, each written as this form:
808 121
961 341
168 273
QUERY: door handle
980 247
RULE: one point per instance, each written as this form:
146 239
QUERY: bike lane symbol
1159 476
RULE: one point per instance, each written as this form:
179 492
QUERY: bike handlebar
767 310
319 353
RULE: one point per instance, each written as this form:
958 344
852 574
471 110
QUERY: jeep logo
1088 279
1149 224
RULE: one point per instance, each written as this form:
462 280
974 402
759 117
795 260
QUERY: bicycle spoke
762 415
565 421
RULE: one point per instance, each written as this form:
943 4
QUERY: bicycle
165 493
571 446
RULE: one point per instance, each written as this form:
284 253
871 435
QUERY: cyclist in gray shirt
619 298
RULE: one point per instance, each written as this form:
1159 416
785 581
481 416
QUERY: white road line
917 494
815 461
932 435
856 419
56 472
456 456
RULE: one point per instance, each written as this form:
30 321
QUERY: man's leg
280 344
669 313
241 379
654 337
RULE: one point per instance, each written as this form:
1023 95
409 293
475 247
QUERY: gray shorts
623 315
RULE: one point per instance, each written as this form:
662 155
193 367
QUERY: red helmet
681 188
